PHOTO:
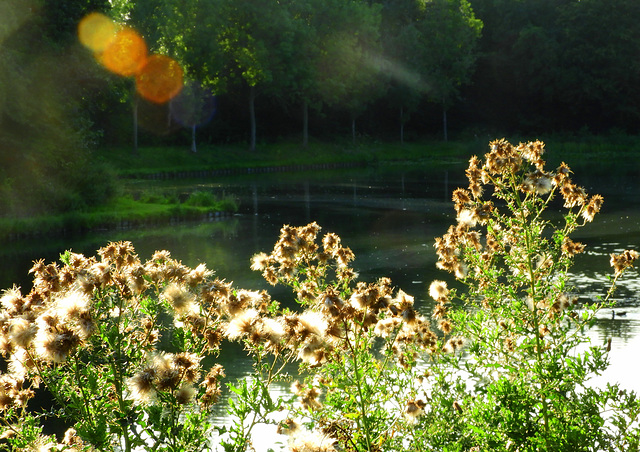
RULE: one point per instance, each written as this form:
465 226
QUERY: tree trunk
353 130
135 125
252 114
444 121
305 124
193 138
401 125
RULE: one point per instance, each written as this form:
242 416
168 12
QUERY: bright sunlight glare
126 54
96 31
123 51
160 79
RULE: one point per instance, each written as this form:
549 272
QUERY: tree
599 81
48 137
349 62
255 39
400 38
449 32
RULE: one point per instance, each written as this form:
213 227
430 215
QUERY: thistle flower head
141 385
179 298
438 290
413 410
185 394
12 301
620 262
242 324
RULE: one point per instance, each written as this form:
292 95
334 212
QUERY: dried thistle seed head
330 243
22 332
185 394
414 409
21 363
214 338
311 323
167 375
532 151
101 273
385 327
270 275
71 438
216 372
620 262
260 261
462 199
272 330
453 344
343 256
198 275
572 195
141 385
439 291
186 360
179 298
56 345
445 326
570 248
242 324
288 427
403 300
136 279
537 182
72 304
592 208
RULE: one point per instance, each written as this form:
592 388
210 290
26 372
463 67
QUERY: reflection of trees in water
618 329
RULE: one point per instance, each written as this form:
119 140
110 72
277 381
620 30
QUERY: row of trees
277 68
529 66
312 54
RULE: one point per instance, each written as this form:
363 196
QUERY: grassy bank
163 160
120 213
595 154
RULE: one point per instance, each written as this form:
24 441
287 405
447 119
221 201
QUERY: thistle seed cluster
91 311
333 311
517 178
620 262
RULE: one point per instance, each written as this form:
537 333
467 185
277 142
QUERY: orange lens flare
96 31
126 54
160 79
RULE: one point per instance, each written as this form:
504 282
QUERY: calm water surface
389 218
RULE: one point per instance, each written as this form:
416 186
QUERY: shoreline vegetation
127 209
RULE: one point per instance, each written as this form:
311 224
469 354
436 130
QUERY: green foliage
523 327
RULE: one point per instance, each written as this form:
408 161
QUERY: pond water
388 216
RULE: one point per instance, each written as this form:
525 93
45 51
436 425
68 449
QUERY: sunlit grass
122 211
176 159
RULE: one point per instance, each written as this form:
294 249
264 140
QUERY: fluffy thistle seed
185 394
141 385
438 290
179 298
22 332
620 262
242 324
12 300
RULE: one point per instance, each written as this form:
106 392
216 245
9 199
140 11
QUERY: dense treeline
260 70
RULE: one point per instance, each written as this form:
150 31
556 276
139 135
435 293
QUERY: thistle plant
118 344
527 357
127 349
358 345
